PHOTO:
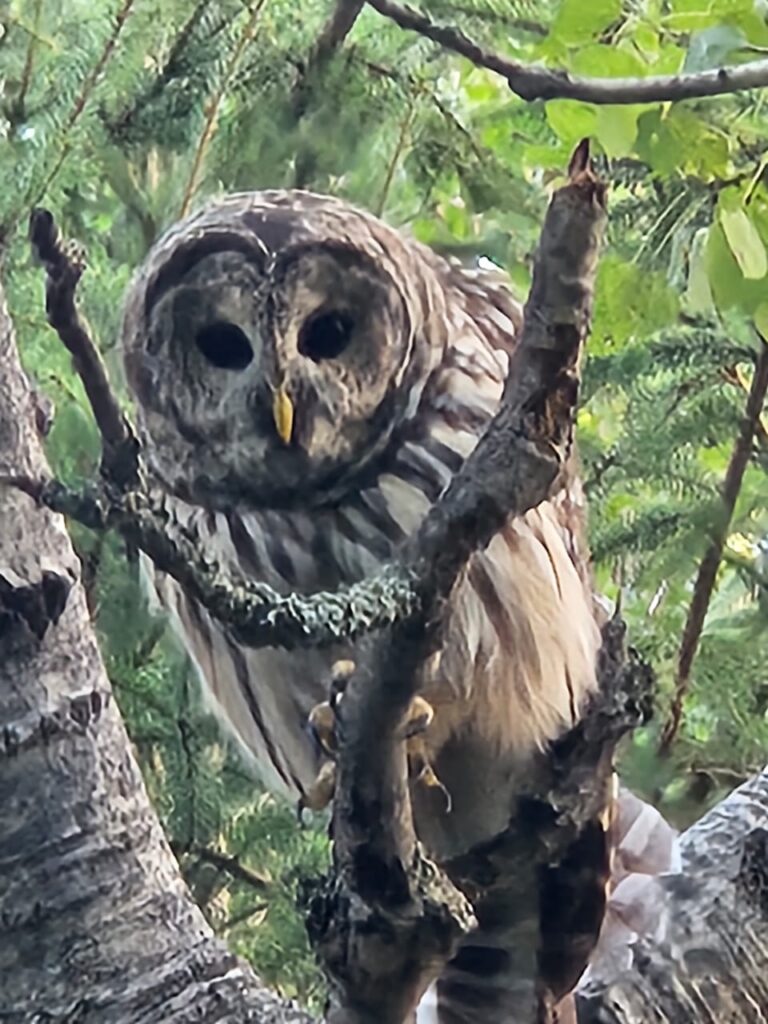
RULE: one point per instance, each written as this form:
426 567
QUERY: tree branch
388 920
213 104
531 82
704 955
705 579
331 38
64 266
226 862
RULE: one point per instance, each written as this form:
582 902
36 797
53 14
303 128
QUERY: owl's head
274 342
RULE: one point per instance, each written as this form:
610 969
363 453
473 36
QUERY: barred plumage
394 361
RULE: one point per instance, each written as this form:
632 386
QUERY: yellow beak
282 412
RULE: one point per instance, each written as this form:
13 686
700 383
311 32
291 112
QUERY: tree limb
229 863
705 579
64 266
705 953
388 920
531 82
88 878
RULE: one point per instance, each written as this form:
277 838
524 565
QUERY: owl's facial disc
341 340
269 381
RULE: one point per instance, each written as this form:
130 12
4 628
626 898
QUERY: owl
307 381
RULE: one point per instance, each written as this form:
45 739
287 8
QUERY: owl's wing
263 697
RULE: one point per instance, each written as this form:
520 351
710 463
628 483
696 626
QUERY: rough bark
96 924
708 959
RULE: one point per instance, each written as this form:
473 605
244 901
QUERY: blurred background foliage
119 115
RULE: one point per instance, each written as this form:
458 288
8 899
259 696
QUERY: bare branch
389 920
334 32
214 103
710 563
532 82
226 862
64 267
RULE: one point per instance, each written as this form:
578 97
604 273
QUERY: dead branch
710 563
388 920
229 863
531 82
64 267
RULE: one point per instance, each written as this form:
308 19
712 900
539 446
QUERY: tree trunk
96 923
707 961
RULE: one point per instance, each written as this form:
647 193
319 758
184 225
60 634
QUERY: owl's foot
322 721
420 770
320 793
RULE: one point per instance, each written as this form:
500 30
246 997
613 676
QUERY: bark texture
95 922
707 961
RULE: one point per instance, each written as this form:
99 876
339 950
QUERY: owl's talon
322 723
320 793
422 771
417 718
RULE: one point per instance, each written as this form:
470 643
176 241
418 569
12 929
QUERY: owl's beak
282 413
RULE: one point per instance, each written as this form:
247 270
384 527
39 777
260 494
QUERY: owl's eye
325 335
224 345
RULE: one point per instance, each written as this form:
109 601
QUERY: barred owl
308 380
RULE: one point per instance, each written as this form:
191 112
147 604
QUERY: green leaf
578 22
713 47
616 129
745 243
698 295
761 320
678 141
730 289
608 62
630 301
571 120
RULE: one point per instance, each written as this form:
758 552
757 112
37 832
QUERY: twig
532 82
330 40
705 578
231 864
63 271
733 375
212 107
402 141
333 34
84 95
169 70
20 102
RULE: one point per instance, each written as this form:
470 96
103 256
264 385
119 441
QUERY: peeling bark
708 961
